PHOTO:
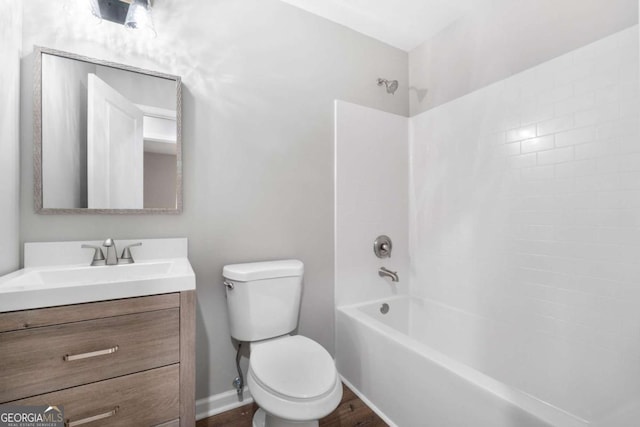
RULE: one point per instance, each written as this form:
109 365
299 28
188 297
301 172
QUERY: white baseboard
221 402
373 407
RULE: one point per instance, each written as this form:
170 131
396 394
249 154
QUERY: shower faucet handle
382 246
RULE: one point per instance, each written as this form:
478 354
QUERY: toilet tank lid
263 270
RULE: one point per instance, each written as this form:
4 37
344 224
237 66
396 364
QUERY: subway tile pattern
525 212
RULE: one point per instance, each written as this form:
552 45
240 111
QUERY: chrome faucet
393 275
112 254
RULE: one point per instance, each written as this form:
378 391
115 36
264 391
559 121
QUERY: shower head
391 85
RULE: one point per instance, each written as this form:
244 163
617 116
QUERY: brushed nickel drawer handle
111 413
70 357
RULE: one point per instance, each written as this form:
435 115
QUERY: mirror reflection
109 137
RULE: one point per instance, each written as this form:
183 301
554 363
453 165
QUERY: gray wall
488 47
159 180
260 78
10 34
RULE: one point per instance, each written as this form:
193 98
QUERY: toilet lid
294 366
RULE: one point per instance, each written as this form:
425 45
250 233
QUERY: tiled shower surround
525 212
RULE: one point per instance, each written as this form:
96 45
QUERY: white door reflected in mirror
115 149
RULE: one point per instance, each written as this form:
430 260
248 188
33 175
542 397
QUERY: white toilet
293 379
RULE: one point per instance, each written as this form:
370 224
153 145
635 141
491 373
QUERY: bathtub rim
546 412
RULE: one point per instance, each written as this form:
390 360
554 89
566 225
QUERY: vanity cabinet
127 362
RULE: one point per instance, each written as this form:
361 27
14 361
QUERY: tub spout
393 275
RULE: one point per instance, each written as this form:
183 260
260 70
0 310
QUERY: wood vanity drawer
147 398
52 358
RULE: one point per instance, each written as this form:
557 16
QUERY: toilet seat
293 377
293 367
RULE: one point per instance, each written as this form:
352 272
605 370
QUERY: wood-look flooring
352 412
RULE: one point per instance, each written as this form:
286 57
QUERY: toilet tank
263 298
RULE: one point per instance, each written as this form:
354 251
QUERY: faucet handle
98 256
126 257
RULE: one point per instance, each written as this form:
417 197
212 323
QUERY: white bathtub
417 376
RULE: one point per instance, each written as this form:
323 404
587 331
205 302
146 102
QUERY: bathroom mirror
107 137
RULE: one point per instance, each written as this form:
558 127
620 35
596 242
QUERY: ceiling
404 24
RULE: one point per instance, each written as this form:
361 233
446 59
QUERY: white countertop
53 276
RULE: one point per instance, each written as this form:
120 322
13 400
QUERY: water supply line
238 382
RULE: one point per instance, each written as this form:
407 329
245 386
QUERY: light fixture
133 14
139 17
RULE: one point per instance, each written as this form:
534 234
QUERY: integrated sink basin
115 273
40 285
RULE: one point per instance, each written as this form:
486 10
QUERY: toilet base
262 419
